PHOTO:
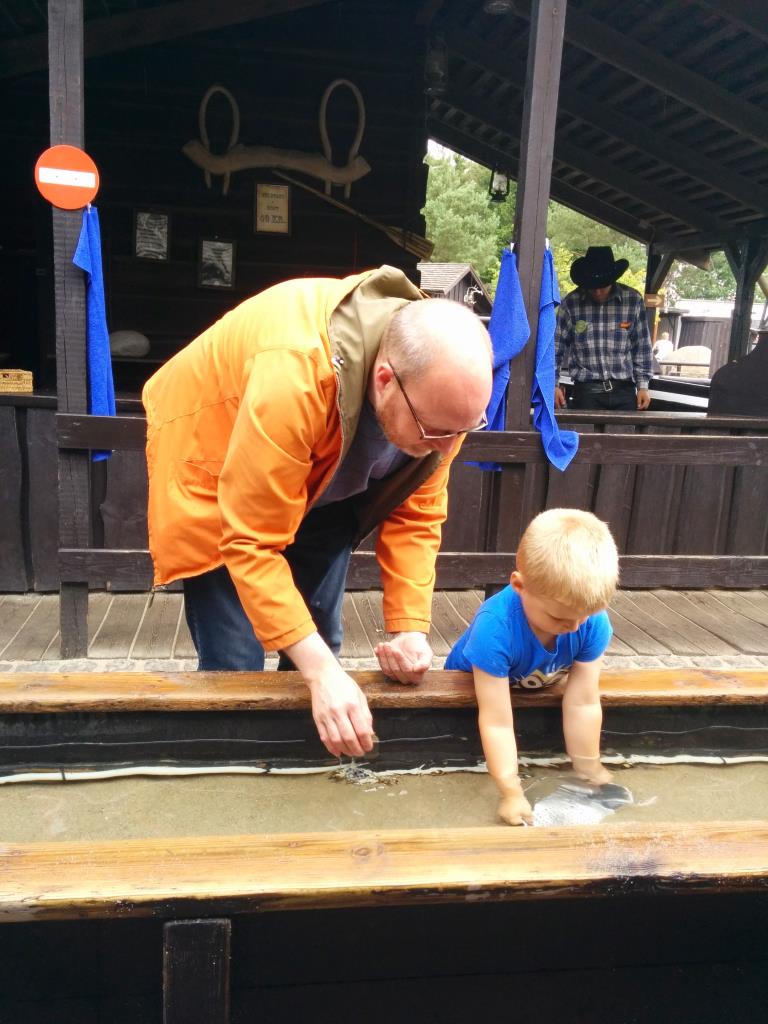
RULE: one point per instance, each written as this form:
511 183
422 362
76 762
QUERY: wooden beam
620 50
66 101
459 570
628 130
702 240
227 875
118 693
144 27
539 116
600 168
748 16
196 958
747 262
581 202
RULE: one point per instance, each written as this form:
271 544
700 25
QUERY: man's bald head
422 333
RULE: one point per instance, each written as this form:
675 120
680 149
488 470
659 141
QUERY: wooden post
747 260
657 267
196 957
509 512
65 91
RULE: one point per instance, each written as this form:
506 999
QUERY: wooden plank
65 91
196 961
686 615
465 603
656 504
750 604
615 494
183 647
13 568
465 570
368 608
445 624
129 29
513 446
115 633
618 647
157 631
746 635
233 874
16 611
38 631
42 467
675 641
573 488
537 138
635 638
124 433
748 525
356 643
704 506
33 693
667 611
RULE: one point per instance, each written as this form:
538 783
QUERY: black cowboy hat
598 268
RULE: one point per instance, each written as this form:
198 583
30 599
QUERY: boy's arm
582 721
497 732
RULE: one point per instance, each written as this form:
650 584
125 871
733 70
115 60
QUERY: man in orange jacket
309 415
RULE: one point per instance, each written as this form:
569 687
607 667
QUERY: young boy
549 623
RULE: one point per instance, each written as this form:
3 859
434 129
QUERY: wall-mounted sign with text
273 209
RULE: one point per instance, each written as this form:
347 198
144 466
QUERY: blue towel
560 446
509 332
101 389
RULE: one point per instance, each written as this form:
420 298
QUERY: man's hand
514 809
341 714
405 658
339 707
643 398
560 402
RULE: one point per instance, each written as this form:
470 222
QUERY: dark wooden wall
142 107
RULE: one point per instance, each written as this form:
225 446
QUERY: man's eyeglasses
425 436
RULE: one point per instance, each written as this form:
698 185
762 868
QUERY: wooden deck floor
650 627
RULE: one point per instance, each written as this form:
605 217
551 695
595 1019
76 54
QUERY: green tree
461 221
467 228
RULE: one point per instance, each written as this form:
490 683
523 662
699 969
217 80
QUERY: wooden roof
662 128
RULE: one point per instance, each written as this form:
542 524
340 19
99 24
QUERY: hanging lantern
498 188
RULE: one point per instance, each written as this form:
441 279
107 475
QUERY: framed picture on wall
217 263
272 214
151 235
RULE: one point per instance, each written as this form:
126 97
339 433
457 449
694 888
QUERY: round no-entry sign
67 177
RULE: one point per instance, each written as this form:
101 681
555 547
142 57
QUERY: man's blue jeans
319 558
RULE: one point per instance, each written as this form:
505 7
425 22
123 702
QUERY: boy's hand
590 770
514 809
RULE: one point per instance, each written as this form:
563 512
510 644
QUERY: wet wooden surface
244 874
39 693
694 623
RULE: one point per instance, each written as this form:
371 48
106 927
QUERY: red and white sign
67 177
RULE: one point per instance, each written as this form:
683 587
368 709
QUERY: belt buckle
607 385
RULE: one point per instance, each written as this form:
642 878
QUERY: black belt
603 385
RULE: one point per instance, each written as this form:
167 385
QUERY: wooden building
456 281
649 122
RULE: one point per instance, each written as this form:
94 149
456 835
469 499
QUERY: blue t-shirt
500 642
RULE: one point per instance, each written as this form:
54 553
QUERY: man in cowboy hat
602 337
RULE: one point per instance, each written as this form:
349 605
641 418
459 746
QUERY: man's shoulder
628 293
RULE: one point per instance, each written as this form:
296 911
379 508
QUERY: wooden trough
638 922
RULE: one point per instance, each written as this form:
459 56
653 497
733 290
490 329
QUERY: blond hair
569 556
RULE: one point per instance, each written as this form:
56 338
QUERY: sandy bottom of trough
137 807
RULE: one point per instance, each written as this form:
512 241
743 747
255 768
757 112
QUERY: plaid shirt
601 340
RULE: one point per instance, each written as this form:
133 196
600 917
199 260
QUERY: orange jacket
245 428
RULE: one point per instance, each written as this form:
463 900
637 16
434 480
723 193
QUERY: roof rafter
144 27
747 15
578 104
601 169
663 74
563 193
